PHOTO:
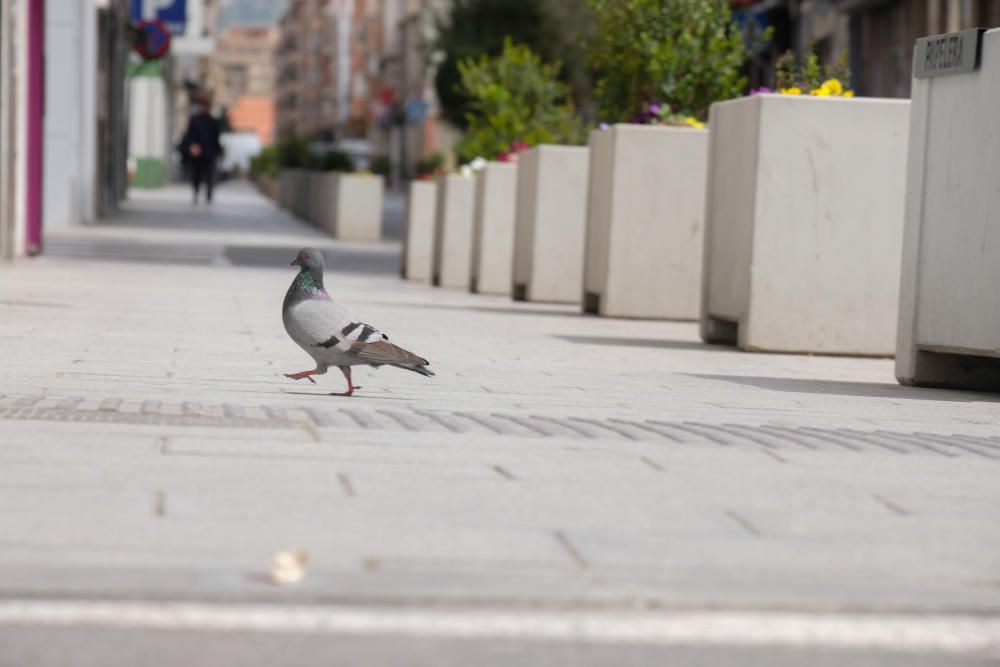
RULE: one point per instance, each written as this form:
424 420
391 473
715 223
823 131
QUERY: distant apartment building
326 68
243 63
243 79
304 71
361 31
407 124
358 69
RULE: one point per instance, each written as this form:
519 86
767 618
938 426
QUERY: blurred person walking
200 147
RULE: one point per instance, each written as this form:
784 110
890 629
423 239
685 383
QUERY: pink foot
304 374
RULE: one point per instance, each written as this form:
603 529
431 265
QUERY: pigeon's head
309 259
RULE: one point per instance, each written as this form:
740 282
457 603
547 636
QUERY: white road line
957 634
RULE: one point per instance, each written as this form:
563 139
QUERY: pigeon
330 334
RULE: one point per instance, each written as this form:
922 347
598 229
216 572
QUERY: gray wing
372 346
323 325
384 352
354 336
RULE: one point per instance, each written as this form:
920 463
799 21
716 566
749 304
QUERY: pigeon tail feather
417 368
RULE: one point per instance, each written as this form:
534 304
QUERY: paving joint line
744 523
563 541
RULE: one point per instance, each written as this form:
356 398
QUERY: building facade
304 87
243 63
408 119
243 79
358 70
62 128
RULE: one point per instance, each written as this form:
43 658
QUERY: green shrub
266 164
512 97
293 153
685 53
427 165
382 166
332 160
474 28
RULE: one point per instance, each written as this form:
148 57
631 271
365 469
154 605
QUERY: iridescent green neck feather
307 285
309 280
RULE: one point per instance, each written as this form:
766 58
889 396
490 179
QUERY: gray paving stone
120 648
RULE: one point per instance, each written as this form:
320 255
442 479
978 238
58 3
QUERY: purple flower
643 118
603 126
761 89
654 108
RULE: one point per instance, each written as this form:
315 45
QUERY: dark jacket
203 130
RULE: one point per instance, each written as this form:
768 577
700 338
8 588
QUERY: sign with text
173 13
941 55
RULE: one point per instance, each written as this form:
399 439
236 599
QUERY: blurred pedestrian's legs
195 172
203 171
200 146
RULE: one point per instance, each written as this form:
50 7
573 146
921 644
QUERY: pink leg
346 370
304 374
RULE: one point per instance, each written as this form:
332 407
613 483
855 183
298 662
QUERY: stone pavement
567 490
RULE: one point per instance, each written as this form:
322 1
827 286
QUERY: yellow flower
694 122
791 91
848 93
833 85
820 92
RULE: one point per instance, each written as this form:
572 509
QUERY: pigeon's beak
297 262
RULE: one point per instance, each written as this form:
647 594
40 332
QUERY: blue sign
172 12
753 24
416 111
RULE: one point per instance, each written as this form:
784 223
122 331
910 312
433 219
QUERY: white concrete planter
284 188
315 181
453 231
303 200
803 224
493 229
418 241
550 225
323 197
645 215
949 324
357 204
288 188
300 178
267 186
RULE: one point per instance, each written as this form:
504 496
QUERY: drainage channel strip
145 418
464 423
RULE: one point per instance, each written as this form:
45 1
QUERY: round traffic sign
153 39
